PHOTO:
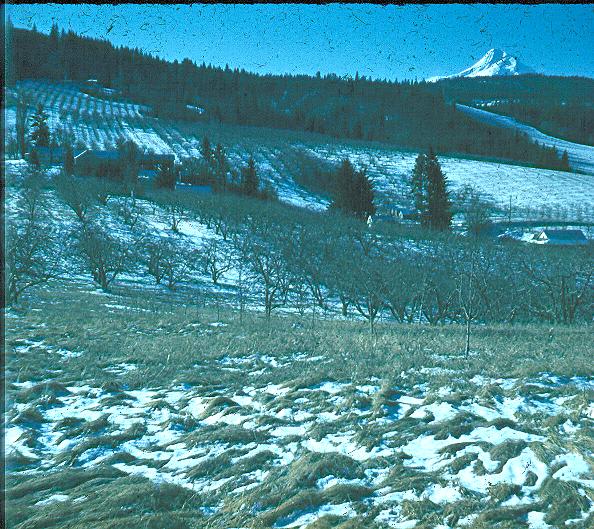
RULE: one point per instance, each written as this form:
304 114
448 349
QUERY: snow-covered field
532 191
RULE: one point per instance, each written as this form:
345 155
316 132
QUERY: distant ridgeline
407 114
560 106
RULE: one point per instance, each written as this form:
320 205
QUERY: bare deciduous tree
104 256
468 295
217 260
476 209
402 290
561 283
75 193
128 210
32 252
101 189
176 214
169 261
269 268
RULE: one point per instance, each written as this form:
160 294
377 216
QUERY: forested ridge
406 113
560 106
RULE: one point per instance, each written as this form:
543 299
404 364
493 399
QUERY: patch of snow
439 494
575 467
343 509
52 499
536 520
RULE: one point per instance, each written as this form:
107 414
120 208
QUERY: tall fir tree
40 132
362 195
34 159
221 168
22 118
249 179
565 161
353 194
166 176
438 214
129 161
419 183
342 188
206 150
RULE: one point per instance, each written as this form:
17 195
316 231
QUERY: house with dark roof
560 237
95 163
149 164
107 163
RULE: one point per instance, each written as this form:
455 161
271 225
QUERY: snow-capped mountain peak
494 63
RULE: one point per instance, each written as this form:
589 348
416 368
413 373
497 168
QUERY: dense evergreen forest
573 122
408 114
560 106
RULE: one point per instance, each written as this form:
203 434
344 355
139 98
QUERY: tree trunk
102 279
345 306
467 349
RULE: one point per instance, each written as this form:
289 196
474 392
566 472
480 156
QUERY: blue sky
395 42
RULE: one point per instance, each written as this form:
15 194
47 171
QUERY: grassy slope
215 374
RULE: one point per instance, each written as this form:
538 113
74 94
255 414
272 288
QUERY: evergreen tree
166 176
34 158
419 183
362 196
343 185
221 168
249 179
54 146
438 215
129 161
206 150
68 159
9 52
22 118
353 194
40 133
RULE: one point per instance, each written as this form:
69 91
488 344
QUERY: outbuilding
560 237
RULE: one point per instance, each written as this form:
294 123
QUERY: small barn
560 237
149 164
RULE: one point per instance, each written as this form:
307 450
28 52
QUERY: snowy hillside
535 191
494 63
99 123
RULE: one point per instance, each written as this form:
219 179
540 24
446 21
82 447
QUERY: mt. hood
494 63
